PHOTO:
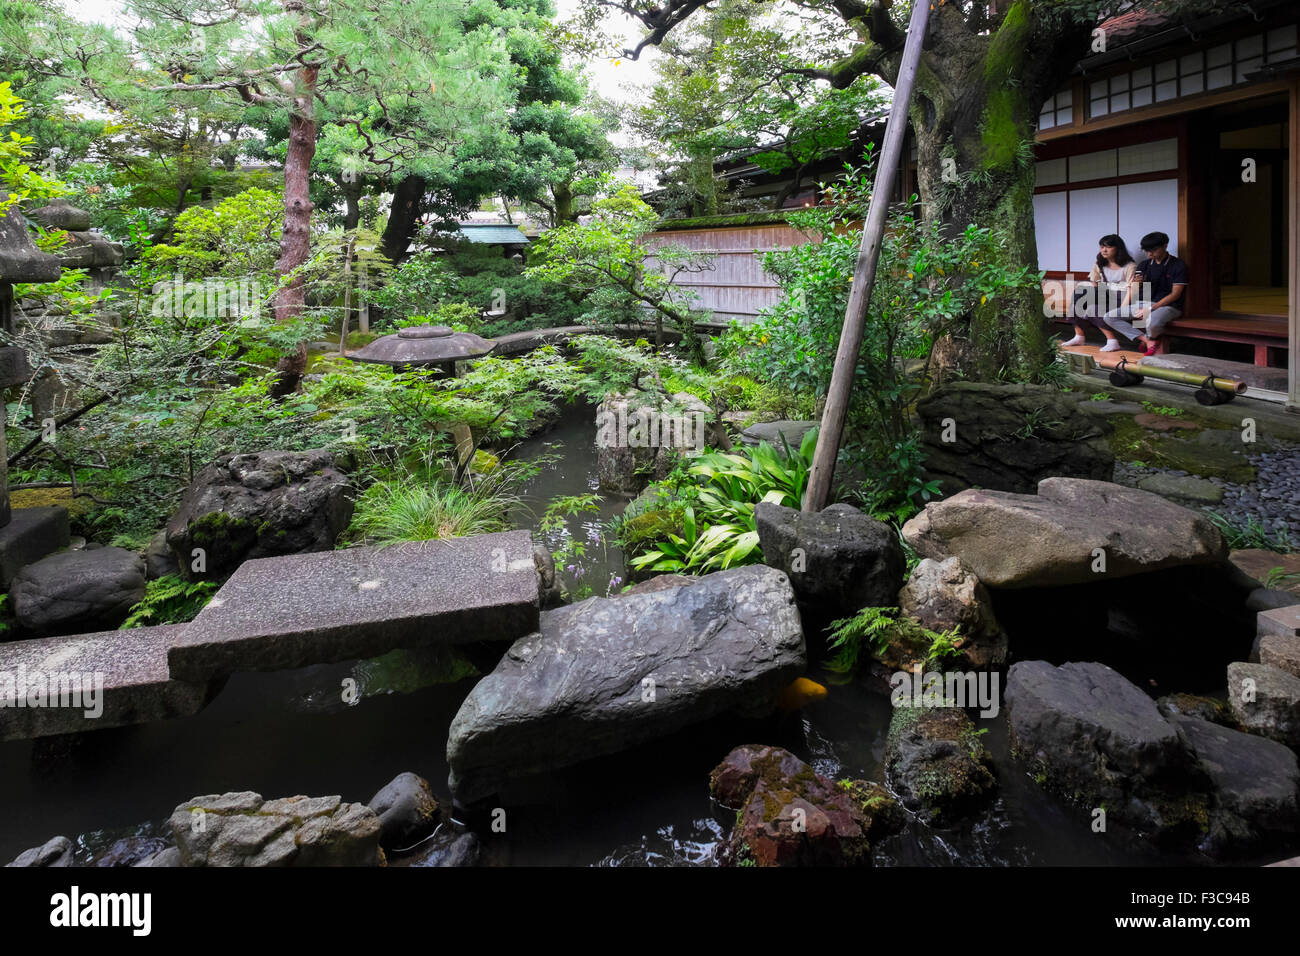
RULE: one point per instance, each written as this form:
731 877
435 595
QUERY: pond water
568 453
289 732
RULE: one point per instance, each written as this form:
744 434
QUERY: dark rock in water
449 848
937 763
1010 437
78 590
640 436
1268 599
1057 536
1181 641
129 851
163 858
1266 701
256 506
943 595
839 560
242 829
790 815
1093 737
607 674
54 852
159 561
1193 705
549 592
1254 784
407 811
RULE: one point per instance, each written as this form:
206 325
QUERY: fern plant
170 600
873 629
869 629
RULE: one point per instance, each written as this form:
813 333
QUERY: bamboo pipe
1231 385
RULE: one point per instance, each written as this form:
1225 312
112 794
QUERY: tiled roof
492 234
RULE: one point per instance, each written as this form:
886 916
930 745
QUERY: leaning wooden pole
864 273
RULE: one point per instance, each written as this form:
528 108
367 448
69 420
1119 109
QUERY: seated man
1163 280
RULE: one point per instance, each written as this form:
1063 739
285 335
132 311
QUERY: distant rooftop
492 233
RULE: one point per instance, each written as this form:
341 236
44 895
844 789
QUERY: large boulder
937 763
257 506
1266 701
790 815
1254 784
608 673
944 595
839 559
1060 535
1093 737
640 435
1097 740
90 590
779 434
1010 437
242 829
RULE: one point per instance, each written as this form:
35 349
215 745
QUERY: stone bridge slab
301 609
93 681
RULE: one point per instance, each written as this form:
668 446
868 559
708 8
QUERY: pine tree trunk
403 217
295 237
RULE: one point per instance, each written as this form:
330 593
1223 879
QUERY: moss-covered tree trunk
974 111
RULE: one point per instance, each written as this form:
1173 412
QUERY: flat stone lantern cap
20 260
424 345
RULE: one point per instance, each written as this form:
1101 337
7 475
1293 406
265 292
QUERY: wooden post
864 273
1293 250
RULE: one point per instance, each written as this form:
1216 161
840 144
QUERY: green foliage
170 600
1167 410
928 284
414 507
874 630
1279 577
869 630
1242 535
483 279
560 509
718 529
238 236
25 185
607 254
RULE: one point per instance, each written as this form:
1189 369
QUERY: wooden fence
736 287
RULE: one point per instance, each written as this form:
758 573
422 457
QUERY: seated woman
1109 285
1162 279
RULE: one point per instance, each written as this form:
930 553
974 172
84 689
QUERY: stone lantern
425 346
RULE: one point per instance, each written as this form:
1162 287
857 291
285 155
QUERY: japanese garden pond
289 732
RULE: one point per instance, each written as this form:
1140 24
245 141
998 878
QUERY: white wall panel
1149 207
1049 228
1092 215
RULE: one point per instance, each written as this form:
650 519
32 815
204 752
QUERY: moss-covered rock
790 815
937 763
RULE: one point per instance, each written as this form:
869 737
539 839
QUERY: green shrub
718 529
412 508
